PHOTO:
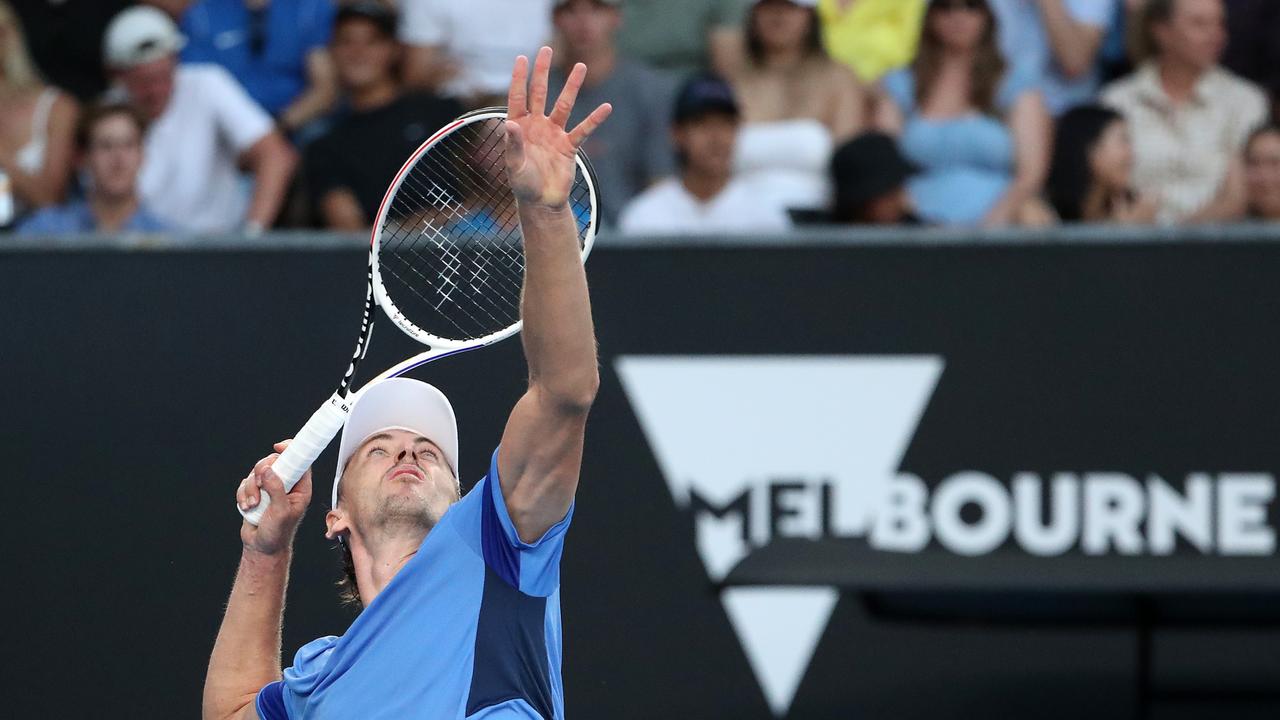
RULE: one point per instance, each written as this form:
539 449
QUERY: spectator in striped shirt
1190 116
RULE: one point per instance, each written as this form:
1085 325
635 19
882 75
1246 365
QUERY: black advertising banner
782 435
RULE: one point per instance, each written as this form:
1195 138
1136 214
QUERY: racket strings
451 253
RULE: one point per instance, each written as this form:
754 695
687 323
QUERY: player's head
141 50
397 463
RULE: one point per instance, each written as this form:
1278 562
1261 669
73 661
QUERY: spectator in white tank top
797 104
37 123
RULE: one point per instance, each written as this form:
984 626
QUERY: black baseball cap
868 166
704 95
375 12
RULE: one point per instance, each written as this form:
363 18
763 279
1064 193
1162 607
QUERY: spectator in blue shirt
975 125
277 49
110 145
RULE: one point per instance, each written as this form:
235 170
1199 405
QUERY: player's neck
378 559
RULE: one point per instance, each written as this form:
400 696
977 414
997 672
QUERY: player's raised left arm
542 446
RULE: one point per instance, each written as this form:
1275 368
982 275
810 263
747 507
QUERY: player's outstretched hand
274 533
539 150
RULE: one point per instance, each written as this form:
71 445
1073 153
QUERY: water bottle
6 199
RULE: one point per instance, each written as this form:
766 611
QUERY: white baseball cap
399 404
139 35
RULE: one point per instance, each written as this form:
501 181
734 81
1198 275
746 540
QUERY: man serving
461 611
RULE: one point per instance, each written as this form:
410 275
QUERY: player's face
150 85
114 156
397 479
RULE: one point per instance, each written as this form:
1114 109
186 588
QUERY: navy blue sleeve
532 568
270 702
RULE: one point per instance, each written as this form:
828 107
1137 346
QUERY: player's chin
404 506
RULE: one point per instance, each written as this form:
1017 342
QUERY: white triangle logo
779 628
726 430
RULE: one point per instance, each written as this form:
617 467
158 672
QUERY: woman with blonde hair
37 123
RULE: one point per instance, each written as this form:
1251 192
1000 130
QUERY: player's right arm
246 655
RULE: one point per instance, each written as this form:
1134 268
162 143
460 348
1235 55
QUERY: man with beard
460 595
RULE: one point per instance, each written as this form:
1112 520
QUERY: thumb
515 144
272 485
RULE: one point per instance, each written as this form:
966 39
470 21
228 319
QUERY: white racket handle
303 450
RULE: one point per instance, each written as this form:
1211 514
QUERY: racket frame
328 420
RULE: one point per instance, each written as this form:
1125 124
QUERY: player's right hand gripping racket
446 264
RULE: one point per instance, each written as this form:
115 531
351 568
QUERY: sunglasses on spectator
958 5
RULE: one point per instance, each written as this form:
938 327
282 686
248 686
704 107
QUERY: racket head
446 253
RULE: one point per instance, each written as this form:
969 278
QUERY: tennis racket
446 264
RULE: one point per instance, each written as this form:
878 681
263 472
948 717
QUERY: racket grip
303 450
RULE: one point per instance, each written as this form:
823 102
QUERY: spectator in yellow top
872 37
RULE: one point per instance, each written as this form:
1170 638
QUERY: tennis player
461 613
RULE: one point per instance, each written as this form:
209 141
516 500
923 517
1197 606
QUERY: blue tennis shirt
469 628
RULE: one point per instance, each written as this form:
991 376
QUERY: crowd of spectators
209 116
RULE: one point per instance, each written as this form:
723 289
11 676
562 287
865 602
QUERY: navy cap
702 95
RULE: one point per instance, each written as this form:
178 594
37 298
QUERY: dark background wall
145 385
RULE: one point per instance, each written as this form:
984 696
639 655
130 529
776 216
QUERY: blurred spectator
37 123
685 37
1117 54
633 149
348 169
977 129
1262 163
796 104
1189 117
869 178
1253 45
705 198
463 49
202 128
109 140
65 36
277 49
872 37
1091 176
1058 42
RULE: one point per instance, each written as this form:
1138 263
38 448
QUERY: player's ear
336 525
